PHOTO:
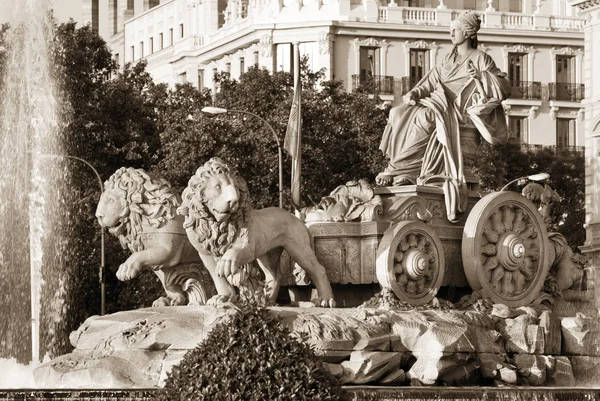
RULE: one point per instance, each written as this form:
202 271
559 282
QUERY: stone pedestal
358 345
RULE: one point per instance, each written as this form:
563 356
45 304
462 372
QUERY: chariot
407 244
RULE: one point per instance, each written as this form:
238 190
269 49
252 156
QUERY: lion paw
162 301
128 270
324 303
218 301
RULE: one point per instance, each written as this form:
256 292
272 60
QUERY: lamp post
534 177
102 271
213 111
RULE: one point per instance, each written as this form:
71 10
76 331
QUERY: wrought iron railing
528 147
527 90
402 85
566 91
375 84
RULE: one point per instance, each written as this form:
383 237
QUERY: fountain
32 189
403 335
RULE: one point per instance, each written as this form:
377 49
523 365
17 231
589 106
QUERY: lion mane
213 236
148 201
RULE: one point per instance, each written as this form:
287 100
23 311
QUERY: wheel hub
416 263
511 251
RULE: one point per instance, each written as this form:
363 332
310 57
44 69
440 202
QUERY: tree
497 165
340 134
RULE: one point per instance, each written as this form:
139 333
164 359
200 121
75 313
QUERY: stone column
326 41
105 26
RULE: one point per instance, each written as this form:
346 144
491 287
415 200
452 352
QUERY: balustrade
566 91
375 84
527 90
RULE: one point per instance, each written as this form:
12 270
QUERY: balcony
374 84
566 91
423 16
527 90
402 86
527 147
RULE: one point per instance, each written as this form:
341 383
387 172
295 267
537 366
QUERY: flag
293 141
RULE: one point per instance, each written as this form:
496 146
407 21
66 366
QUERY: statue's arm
497 85
426 85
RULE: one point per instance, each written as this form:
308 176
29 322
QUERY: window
182 78
228 68
518 128
369 63
565 69
151 45
161 43
116 58
141 49
517 68
242 66
181 30
419 65
132 50
171 37
565 132
255 56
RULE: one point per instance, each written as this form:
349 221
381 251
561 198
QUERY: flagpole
297 161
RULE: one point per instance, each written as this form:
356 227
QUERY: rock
586 369
394 378
172 359
368 367
508 374
561 374
460 375
335 369
550 325
532 368
430 368
581 335
502 311
110 371
491 364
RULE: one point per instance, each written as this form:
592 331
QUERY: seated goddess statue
422 137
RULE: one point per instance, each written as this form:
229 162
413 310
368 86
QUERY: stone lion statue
141 211
229 235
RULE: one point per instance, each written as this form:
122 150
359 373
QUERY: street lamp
534 177
214 111
102 272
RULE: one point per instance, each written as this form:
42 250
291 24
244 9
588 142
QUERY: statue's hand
474 73
409 99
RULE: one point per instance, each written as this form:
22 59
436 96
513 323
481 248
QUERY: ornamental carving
567 51
325 44
266 46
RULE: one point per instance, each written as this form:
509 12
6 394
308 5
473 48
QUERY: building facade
385 45
590 9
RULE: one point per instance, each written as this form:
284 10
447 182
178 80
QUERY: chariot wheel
410 261
505 249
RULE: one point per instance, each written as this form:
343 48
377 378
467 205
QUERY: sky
63 9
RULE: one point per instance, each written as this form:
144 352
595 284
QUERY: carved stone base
359 346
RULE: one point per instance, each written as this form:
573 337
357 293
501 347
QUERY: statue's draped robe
423 141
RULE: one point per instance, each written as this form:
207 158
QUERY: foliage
251 356
498 165
340 133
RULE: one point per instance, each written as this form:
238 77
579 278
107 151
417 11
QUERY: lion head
134 199
216 206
